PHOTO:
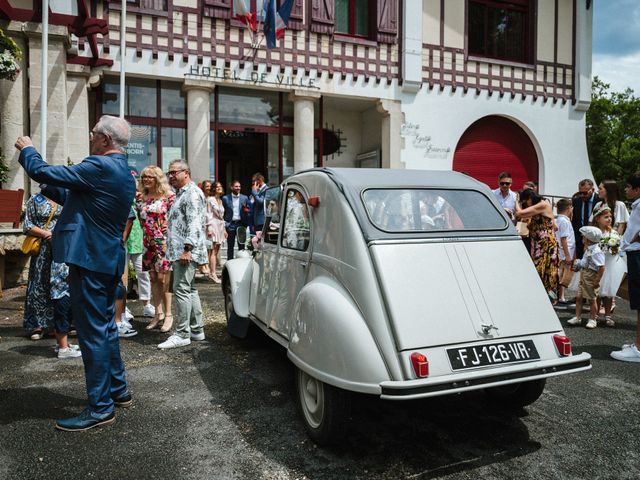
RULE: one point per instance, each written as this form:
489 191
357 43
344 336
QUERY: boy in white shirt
591 268
567 248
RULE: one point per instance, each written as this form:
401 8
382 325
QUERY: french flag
275 22
244 15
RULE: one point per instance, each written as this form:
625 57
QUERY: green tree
613 132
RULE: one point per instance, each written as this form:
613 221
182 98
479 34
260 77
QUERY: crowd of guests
168 212
591 233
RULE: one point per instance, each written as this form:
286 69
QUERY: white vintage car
403 284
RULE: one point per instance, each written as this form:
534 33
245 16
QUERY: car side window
296 228
272 215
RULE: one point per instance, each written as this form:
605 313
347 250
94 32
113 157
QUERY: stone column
303 129
78 112
13 113
57 152
391 111
198 121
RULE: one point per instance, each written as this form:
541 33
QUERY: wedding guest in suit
583 203
236 206
258 191
97 195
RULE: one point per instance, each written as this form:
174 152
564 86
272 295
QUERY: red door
493 145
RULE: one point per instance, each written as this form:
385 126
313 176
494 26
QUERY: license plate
492 354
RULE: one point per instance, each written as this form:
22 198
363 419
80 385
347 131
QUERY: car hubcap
312 399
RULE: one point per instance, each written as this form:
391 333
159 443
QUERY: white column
412 46
391 147
13 113
198 121
303 129
584 35
78 112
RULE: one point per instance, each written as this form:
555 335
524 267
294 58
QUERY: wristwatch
188 247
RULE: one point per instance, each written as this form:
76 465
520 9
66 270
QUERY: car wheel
237 326
517 395
325 408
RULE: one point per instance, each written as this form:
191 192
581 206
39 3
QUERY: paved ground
225 409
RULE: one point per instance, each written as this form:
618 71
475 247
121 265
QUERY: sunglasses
505 184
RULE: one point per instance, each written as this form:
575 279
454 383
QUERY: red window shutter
153 5
387 21
296 20
323 16
496 144
217 8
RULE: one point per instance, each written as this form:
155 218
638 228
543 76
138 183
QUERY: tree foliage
613 132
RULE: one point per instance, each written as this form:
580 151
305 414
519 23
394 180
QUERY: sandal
609 322
214 278
168 323
155 323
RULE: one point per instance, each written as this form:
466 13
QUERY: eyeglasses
505 184
93 134
146 177
173 173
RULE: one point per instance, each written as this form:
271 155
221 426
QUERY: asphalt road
225 409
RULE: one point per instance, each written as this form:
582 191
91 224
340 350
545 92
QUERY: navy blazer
227 202
258 205
97 195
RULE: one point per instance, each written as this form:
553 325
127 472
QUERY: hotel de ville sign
250 77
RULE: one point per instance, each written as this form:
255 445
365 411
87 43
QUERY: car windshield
416 210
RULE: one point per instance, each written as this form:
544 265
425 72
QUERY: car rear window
416 210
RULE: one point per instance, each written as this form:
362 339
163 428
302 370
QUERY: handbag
32 244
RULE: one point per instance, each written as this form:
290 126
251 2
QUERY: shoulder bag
31 244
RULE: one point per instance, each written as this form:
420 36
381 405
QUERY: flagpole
123 52
44 80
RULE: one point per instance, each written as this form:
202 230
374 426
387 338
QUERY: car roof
353 181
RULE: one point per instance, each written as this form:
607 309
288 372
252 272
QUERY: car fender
238 273
330 340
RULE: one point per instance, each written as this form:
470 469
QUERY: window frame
285 215
527 8
351 20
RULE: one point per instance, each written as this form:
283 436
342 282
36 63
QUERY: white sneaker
148 310
198 337
174 341
574 321
127 313
125 331
629 353
125 321
69 353
592 323
70 345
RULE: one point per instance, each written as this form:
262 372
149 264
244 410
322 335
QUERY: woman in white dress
216 232
615 266
609 195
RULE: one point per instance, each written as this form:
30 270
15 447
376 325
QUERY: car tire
325 409
517 395
237 326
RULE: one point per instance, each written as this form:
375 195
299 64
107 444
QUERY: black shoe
561 305
123 401
86 420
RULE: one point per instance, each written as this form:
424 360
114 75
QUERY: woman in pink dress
216 233
153 202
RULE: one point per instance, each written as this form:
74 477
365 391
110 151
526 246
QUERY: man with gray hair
97 195
186 250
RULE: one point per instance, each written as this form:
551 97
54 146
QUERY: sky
616 43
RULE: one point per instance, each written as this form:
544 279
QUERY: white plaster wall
556 131
351 125
371 130
454 23
565 31
431 21
545 30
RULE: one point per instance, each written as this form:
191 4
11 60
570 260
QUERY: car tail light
563 344
313 201
420 365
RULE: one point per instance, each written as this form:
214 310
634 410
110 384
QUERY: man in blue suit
258 191
236 208
97 195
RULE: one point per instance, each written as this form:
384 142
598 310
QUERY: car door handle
303 264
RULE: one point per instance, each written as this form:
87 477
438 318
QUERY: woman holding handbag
40 219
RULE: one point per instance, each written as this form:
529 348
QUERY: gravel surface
225 409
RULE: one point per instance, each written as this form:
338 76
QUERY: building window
352 17
500 29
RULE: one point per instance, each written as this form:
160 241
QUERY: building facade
478 86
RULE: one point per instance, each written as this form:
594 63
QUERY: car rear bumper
482 378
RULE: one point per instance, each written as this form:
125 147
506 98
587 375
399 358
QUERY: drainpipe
123 52
45 77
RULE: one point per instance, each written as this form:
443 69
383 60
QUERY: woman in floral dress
153 202
38 307
544 247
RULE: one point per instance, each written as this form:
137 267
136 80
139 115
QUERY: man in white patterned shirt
186 250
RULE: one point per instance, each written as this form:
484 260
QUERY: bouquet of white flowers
610 242
10 56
